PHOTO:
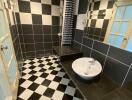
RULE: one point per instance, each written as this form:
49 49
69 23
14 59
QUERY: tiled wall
15 37
38 24
115 62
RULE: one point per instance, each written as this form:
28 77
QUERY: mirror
111 24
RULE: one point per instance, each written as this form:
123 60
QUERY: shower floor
45 79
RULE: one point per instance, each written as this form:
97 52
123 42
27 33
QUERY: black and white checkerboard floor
45 79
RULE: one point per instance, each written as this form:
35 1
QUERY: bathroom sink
86 68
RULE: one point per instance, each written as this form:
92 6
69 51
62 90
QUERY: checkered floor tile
45 79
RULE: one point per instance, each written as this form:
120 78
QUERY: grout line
82 41
52 37
92 48
40 34
33 38
39 42
119 61
23 40
125 76
43 36
106 57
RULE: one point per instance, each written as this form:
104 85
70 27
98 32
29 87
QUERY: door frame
13 88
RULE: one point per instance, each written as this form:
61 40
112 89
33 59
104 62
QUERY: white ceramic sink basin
86 68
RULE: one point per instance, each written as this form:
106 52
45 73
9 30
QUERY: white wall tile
99 23
55 10
25 18
80 20
103 4
95 14
46 1
108 14
47 20
36 8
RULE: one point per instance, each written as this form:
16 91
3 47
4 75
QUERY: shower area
43 26
39 24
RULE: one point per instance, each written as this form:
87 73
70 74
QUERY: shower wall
38 24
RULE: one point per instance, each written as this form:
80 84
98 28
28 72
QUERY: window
120 30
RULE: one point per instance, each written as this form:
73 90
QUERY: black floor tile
46 82
61 87
33 86
67 97
49 92
34 96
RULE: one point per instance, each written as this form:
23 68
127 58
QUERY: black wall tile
86 51
121 55
47 46
55 38
39 46
115 70
46 9
48 52
110 4
55 2
105 23
36 1
101 47
28 38
47 29
55 29
38 38
27 29
76 45
88 42
30 54
129 77
55 20
39 53
24 6
37 19
74 21
78 36
38 29
97 31
47 38
29 47
103 32
98 56
83 5
96 5
93 23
